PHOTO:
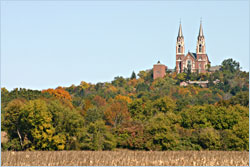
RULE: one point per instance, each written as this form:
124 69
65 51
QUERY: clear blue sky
48 44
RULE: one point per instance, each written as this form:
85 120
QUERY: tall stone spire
201 30
180 51
180 31
201 48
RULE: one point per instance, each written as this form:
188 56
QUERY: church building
191 61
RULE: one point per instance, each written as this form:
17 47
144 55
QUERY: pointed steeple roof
180 31
201 30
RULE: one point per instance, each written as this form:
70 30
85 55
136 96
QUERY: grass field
125 158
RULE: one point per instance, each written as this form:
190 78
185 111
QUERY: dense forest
136 113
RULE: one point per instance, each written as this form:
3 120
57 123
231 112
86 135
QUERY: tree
94 114
119 81
21 93
161 134
68 124
39 129
237 138
189 72
116 113
162 86
164 104
123 98
133 76
230 65
142 74
241 130
223 117
209 139
181 77
194 118
241 98
142 87
97 137
147 76
131 135
136 109
99 101
59 93
12 122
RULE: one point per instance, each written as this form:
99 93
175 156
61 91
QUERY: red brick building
159 70
193 61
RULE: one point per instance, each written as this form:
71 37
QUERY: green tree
142 87
147 76
12 123
181 77
209 139
164 104
189 72
230 65
133 76
194 118
97 137
94 114
161 133
119 81
137 109
241 98
241 130
68 124
230 141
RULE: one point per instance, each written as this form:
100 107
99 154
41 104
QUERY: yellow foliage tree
84 85
123 98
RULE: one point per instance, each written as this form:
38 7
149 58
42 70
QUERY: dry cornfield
125 158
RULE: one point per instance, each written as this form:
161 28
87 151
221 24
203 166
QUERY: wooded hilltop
136 113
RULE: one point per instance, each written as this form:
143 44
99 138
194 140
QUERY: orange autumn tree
61 94
99 101
116 113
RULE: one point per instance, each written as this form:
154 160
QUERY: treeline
133 113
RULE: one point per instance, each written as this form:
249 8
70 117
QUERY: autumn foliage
136 113
59 93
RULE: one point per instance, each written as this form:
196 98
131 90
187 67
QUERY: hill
133 113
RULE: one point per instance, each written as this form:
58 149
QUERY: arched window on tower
200 47
179 49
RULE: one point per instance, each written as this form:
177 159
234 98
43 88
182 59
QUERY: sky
49 44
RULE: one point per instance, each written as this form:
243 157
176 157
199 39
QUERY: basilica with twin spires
195 62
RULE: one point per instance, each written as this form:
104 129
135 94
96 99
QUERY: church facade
195 62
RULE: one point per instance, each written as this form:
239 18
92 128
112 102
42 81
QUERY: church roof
193 54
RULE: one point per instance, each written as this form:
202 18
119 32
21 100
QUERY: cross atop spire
180 31
201 29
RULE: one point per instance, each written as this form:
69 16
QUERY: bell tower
202 58
200 47
180 51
